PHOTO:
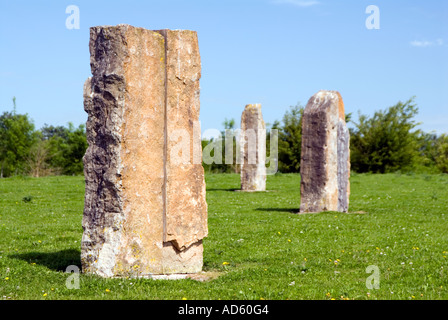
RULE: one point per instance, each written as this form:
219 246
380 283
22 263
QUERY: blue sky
273 52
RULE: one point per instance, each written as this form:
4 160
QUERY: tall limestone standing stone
325 157
253 149
143 215
185 186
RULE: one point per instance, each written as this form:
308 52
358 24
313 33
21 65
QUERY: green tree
56 141
229 128
441 158
49 132
290 139
428 151
37 160
222 167
72 149
386 142
64 148
17 136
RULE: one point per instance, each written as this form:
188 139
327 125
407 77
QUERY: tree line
388 141
51 150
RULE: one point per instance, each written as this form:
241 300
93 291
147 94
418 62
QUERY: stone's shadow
57 261
229 189
288 210
297 211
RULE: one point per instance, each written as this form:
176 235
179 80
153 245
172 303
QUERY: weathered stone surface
186 208
129 180
325 157
253 149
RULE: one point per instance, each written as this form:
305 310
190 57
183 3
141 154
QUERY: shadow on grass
288 210
229 189
57 261
297 211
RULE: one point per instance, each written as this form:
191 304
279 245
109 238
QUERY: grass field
258 245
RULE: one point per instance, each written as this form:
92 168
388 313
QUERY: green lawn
260 247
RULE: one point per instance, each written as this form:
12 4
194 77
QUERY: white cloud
297 3
423 44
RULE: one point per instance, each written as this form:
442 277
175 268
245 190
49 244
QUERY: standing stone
142 215
253 149
325 157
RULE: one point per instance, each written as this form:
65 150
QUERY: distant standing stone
253 149
325 157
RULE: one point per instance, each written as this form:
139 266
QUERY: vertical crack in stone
165 143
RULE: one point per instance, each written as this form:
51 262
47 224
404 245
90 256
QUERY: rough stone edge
103 261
